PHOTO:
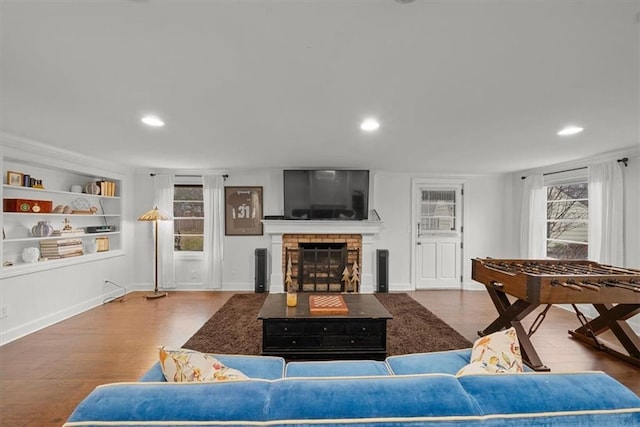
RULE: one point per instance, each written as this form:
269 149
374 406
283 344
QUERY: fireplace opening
321 267
321 262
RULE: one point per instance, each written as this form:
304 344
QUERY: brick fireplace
318 261
357 236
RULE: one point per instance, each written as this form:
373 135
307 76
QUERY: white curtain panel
213 195
164 202
533 224
606 238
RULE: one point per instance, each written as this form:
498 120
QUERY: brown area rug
235 329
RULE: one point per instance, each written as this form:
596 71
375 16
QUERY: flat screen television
326 194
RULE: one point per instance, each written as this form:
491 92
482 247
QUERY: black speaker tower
382 270
260 279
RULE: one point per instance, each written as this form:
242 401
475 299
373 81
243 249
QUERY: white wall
238 264
485 231
39 299
484 222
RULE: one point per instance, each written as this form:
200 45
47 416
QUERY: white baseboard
53 318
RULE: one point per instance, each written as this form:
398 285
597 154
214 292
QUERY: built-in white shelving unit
58 183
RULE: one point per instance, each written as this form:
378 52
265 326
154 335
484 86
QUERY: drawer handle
285 329
352 341
364 328
293 342
325 329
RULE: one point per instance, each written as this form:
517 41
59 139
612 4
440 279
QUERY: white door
438 236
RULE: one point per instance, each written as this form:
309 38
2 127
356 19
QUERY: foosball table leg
511 315
612 317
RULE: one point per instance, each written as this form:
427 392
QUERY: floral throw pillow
184 365
495 354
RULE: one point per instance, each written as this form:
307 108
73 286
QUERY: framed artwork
14 178
243 211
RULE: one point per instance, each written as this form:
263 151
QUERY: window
437 211
188 218
567 221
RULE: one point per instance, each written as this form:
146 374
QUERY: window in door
568 221
188 218
437 211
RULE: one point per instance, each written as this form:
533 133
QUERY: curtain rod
624 160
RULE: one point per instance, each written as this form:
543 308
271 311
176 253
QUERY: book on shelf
61 242
107 188
72 232
63 248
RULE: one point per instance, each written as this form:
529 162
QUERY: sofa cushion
495 353
174 403
336 368
184 365
368 397
584 398
445 362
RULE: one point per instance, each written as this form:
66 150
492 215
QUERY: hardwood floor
43 376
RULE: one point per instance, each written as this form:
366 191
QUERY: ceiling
459 86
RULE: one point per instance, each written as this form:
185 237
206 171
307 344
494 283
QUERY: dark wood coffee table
293 333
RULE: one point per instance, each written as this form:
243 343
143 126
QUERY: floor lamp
155 215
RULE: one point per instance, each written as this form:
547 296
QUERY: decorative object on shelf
30 255
67 210
82 206
92 188
27 205
42 229
243 211
155 215
15 178
58 209
68 230
91 247
103 244
76 188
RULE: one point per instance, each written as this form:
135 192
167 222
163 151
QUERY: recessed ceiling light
154 121
570 130
369 125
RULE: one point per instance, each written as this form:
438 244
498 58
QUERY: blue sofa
411 390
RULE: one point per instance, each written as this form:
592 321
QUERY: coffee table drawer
279 328
326 327
354 341
293 341
365 327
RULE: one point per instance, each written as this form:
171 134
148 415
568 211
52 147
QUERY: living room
480 113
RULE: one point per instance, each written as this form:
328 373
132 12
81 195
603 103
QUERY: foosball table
614 292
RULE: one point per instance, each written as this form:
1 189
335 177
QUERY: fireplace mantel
277 228
301 226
